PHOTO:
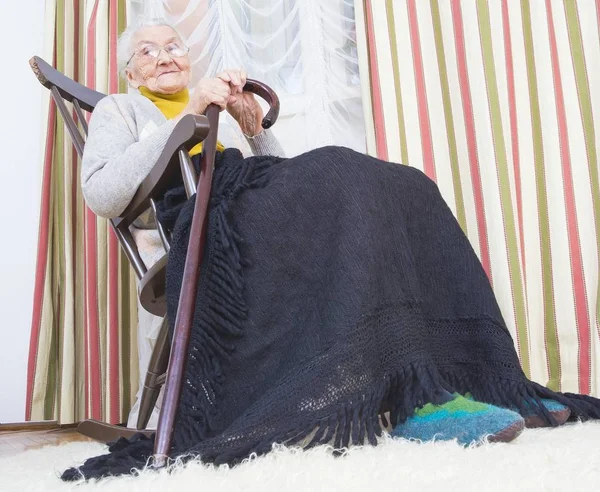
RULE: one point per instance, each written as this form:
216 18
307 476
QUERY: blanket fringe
220 322
411 387
355 421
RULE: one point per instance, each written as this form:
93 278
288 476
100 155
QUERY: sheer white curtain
304 49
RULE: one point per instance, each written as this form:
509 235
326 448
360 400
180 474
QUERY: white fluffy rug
566 458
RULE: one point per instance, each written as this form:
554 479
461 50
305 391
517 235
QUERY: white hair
125 44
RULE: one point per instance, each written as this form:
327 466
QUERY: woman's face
167 73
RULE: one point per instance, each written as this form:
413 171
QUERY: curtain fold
498 102
82 356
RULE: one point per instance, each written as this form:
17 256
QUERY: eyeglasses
152 51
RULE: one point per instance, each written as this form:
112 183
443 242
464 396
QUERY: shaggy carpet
567 458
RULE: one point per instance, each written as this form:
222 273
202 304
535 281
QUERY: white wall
21 36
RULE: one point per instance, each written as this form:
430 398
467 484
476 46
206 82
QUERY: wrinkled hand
207 92
242 106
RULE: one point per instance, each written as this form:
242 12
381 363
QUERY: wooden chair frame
174 159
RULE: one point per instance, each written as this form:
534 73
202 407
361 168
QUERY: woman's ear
131 79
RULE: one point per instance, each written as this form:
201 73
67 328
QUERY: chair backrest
65 90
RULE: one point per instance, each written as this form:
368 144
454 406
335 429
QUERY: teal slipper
467 421
560 412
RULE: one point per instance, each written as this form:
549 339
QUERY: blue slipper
467 421
560 412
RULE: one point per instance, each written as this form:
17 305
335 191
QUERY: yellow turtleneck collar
171 105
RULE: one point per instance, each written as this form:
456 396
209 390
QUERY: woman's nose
163 57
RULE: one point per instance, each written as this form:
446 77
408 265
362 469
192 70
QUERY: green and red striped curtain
83 348
498 101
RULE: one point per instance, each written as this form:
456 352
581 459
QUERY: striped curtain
83 348
498 102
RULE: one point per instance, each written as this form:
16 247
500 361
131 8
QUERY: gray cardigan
127 133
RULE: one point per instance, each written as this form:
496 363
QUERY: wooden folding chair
173 160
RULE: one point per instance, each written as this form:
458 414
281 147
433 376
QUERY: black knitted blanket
335 288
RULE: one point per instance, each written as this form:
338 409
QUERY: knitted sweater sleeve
115 161
265 143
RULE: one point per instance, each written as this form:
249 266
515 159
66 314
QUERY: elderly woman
128 133
338 294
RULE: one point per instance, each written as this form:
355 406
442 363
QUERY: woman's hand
207 92
242 105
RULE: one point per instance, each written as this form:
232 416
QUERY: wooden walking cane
191 274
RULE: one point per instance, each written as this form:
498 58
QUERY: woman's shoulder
129 103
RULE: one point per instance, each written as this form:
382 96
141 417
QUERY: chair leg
103 432
157 367
155 378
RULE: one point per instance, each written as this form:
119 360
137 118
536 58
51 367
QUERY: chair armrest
189 131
